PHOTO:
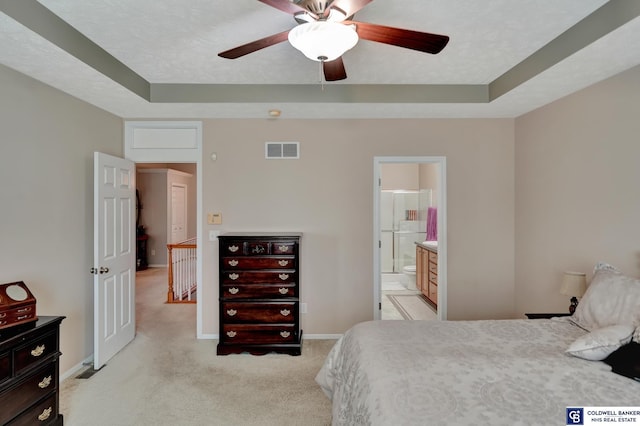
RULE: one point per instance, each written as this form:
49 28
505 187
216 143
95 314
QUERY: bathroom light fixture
574 284
323 40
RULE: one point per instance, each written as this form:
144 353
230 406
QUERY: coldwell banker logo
575 416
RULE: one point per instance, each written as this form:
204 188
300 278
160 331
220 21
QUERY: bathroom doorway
409 213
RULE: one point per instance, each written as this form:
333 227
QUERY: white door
178 213
114 256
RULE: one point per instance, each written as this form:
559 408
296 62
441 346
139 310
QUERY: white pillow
599 344
612 298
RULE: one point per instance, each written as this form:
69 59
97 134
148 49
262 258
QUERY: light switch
213 235
217 218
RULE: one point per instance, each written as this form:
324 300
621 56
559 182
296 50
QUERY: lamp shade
323 40
573 284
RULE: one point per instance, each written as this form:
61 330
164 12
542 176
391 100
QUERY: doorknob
103 270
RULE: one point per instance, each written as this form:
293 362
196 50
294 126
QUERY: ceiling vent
282 150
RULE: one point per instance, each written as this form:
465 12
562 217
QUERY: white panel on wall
163 141
165 138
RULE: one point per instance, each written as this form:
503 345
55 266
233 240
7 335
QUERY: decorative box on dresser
29 373
427 272
259 293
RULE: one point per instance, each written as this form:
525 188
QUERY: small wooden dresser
29 373
259 293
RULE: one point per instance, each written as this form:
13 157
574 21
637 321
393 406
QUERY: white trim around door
442 229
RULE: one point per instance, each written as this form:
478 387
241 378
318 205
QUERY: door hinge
379 306
379 243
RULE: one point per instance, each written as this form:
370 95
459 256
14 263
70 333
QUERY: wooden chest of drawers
29 373
259 293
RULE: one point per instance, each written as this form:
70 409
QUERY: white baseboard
156 265
322 336
73 370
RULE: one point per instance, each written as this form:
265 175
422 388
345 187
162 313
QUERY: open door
114 256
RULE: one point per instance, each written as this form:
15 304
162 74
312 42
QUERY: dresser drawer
259 312
257 247
433 257
5 366
433 278
259 277
239 262
35 351
44 413
283 247
29 391
433 268
252 333
259 291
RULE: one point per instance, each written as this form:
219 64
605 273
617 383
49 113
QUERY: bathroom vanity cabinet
427 272
259 293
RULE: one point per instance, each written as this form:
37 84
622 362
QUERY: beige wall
47 140
154 185
400 176
577 189
328 195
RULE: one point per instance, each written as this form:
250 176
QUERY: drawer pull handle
2 315
39 350
24 310
233 249
45 414
283 262
283 248
233 290
21 317
285 312
233 262
234 276
45 382
285 334
231 312
283 290
283 276
231 333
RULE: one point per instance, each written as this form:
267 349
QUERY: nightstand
546 316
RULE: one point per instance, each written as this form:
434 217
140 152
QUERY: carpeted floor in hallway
168 377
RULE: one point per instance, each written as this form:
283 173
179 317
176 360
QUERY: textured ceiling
505 58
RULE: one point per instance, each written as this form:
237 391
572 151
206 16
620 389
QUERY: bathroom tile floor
390 312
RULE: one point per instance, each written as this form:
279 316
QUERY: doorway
411 197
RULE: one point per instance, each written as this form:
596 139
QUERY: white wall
577 189
328 195
46 216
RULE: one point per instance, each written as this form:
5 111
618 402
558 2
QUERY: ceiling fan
326 30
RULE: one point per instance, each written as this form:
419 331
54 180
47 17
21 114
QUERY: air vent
282 150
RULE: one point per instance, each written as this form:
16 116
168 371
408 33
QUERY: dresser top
9 335
261 234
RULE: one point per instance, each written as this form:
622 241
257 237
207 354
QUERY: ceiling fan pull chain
320 71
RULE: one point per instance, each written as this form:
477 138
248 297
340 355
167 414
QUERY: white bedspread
509 372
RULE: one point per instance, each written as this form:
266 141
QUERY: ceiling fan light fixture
323 40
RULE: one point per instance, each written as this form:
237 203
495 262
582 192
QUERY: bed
497 372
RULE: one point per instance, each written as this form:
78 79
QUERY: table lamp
574 284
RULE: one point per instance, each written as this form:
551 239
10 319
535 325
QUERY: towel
432 224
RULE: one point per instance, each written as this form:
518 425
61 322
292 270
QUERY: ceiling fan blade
409 39
334 70
245 49
285 6
349 7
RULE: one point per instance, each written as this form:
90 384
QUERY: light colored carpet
412 307
168 377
